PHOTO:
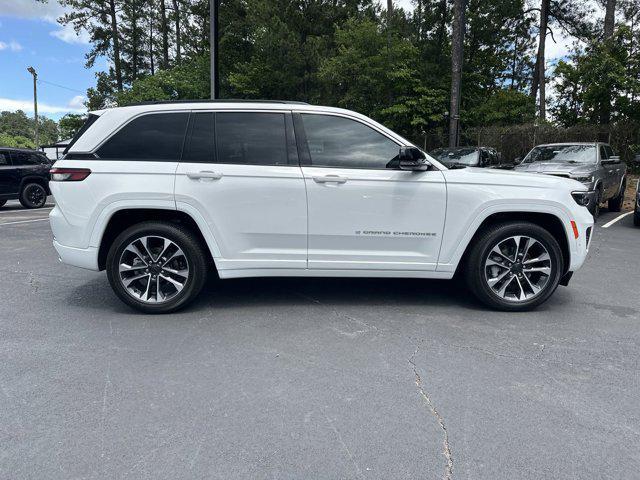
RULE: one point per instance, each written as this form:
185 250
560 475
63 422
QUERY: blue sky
30 36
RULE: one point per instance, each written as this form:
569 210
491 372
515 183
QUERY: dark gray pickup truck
593 164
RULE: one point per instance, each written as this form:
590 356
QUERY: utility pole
32 71
213 40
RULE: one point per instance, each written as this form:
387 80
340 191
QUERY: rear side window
151 137
4 158
251 138
21 158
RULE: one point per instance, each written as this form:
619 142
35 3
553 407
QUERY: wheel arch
550 222
126 217
34 179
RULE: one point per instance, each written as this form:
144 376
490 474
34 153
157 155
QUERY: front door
364 212
240 171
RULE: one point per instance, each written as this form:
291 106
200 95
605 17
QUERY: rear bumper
78 257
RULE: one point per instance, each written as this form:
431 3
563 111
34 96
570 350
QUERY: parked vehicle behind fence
592 164
157 194
24 176
484 157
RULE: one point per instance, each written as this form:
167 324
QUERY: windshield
456 156
562 153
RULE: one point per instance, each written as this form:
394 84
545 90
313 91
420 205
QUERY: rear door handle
330 179
207 174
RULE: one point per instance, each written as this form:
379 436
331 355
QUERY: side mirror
412 158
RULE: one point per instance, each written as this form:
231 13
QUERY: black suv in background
24 175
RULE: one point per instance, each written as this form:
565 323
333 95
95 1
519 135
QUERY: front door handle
330 179
206 174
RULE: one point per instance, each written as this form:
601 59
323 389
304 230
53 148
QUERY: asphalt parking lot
327 378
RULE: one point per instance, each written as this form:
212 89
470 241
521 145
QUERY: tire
186 255
33 195
615 203
2 203
480 266
595 208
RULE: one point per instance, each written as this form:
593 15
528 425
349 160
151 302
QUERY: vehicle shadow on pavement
286 291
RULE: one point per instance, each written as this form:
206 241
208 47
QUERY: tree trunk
442 28
178 44
165 35
116 43
539 70
457 42
153 69
609 18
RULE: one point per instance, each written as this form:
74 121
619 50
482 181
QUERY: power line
61 86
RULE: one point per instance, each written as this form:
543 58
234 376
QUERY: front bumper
78 257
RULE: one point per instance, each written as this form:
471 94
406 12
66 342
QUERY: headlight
581 198
584 178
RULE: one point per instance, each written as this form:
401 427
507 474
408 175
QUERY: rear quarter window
150 137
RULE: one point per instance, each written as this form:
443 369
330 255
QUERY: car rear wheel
615 203
514 266
156 267
33 195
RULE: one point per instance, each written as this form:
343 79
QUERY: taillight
69 174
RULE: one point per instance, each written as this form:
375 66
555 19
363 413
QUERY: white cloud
77 102
67 34
12 45
27 106
49 12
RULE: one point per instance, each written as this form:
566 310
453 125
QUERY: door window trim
303 144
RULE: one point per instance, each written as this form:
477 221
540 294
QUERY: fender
477 218
35 179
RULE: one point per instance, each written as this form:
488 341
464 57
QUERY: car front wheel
514 266
33 195
156 267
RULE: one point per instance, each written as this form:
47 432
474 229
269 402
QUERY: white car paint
279 220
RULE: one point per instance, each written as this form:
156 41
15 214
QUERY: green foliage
70 124
17 129
599 83
187 81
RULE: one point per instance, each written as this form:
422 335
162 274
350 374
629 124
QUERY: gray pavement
318 378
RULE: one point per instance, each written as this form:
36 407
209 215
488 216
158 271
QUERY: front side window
151 137
4 158
247 138
344 143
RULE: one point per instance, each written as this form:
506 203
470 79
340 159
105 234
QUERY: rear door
240 171
364 212
8 177
609 175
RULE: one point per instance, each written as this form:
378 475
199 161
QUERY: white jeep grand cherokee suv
159 193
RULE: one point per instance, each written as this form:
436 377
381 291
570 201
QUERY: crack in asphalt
448 472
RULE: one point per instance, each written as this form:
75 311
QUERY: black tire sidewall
615 204
490 238
24 200
181 237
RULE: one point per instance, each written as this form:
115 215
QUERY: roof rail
219 100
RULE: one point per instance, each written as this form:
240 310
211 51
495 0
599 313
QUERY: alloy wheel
153 269
518 268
